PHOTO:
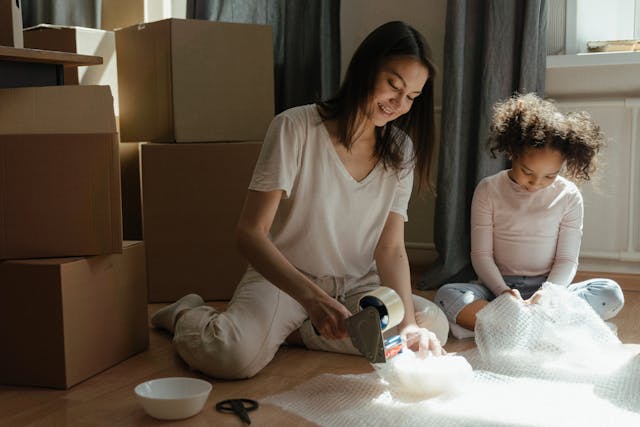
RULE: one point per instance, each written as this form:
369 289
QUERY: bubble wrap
554 363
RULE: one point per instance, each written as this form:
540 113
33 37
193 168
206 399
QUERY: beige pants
239 342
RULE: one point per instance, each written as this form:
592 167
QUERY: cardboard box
60 176
124 13
195 81
192 196
131 191
11 23
66 319
85 41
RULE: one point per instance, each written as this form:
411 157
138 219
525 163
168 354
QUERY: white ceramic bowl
173 398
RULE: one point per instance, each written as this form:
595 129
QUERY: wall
609 89
359 18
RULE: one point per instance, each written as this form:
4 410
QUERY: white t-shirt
328 224
518 233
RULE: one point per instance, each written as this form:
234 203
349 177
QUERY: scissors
240 407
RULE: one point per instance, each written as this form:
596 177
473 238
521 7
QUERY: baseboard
628 282
422 257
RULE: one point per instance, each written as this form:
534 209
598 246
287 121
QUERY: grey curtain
493 48
306 42
82 13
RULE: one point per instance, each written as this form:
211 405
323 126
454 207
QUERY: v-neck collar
336 157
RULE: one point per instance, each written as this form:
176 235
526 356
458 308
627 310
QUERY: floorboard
107 399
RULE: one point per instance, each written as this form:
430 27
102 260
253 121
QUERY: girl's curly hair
525 121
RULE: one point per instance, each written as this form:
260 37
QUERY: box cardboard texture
195 81
192 195
124 13
60 176
84 41
131 191
11 23
67 319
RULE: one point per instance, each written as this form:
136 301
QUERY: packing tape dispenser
380 310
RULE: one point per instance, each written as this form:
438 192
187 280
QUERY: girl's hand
327 316
514 293
535 297
421 340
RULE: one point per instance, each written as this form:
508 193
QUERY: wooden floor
107 399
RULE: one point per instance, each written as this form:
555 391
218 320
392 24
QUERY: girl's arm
393 268
257 216
482 242
565 263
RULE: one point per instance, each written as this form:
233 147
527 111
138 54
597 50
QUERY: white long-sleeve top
519 233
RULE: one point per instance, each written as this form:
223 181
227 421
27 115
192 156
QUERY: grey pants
243 339
603 295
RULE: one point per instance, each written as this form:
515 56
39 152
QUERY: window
573 23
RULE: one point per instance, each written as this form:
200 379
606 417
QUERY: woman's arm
257 216
393 269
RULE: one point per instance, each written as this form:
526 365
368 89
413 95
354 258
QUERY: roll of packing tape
388 304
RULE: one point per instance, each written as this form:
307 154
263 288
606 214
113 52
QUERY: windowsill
602 74
593 59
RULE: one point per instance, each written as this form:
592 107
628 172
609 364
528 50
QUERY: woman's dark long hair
389 40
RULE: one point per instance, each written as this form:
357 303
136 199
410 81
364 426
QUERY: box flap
56 110
60 195
60 27
46 26
144 82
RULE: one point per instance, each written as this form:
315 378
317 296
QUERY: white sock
165 318
459 332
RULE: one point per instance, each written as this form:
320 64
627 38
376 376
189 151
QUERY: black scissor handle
228 405
240 407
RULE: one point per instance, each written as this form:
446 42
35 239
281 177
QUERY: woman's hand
421 340
327 316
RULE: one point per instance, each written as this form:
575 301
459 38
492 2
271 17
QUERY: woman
323 221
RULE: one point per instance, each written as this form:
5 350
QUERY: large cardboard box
66 319
60 176
195 81
131 191
85 41
192 196
124 13
11 23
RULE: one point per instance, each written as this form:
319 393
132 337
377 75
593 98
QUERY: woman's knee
223 359
431 317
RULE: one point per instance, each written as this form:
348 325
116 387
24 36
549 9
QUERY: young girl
323 221
526 222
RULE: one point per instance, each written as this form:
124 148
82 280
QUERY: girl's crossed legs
461 301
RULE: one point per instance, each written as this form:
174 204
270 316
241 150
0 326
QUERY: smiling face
536 168
399 81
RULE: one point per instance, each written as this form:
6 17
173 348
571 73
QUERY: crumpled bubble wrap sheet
554 363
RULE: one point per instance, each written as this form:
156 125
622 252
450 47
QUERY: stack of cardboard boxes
73 297
202 94
74 292
96 42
